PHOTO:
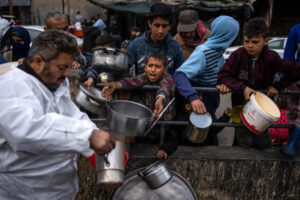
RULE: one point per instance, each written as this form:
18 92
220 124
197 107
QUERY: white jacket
40 135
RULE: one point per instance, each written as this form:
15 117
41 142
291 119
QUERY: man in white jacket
41 130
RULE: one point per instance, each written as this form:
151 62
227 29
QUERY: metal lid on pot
201 120
135 188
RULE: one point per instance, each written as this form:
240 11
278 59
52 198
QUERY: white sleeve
26 127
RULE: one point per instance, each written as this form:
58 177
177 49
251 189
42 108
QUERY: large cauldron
110 60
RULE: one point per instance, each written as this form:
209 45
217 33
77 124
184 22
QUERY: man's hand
247 92
75 65
223 89
198 106
89 82
161 154
159 106
271 91
21 60
102 142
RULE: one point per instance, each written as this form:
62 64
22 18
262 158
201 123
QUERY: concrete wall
40 8
218 173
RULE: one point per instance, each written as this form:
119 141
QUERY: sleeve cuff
242 87
193 97
124 83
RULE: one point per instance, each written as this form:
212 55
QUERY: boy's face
255 45
159 29
154 69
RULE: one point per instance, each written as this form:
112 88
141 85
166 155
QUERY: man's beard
46 73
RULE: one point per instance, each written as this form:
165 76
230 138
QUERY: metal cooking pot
128 118
198 127
110 167
132 119
110 60
90 99
156 175
135 188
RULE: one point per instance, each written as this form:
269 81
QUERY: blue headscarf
99 24
20 50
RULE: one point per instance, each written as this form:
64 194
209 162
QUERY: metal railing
205 89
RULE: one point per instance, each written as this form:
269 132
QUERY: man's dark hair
106 40
161 10
159 56
55 14
49 44
136 29
256 27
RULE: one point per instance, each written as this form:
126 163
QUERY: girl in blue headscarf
20 41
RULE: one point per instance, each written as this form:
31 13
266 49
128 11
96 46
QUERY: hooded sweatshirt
203 65
141 47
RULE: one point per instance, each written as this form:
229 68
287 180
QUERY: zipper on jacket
253 66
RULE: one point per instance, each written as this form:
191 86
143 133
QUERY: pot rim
88 92
132 102
110 48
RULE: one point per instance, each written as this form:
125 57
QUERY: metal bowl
156 175
128 118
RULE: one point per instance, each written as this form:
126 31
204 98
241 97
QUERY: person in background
20 40
202 67
5 38
135 32
115 28
102 41
191 32
291 52
2 59
280 136
250 68
90 34
158 39
41 129
58 21
156 75
78 17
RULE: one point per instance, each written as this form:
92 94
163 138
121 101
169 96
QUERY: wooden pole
11 7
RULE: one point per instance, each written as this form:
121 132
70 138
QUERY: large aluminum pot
90 99
110 60
128 118
110 167
198 127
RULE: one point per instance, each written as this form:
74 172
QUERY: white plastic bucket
259 113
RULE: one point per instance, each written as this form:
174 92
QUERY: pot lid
93 92
135 188
200 120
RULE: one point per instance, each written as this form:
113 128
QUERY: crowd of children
155 58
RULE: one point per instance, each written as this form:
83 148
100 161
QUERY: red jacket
238 71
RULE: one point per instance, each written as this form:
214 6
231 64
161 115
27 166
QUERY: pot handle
158 118
92 101
111 50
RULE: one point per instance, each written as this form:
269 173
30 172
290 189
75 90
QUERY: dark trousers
245 138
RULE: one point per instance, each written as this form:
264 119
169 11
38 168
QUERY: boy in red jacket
252 67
